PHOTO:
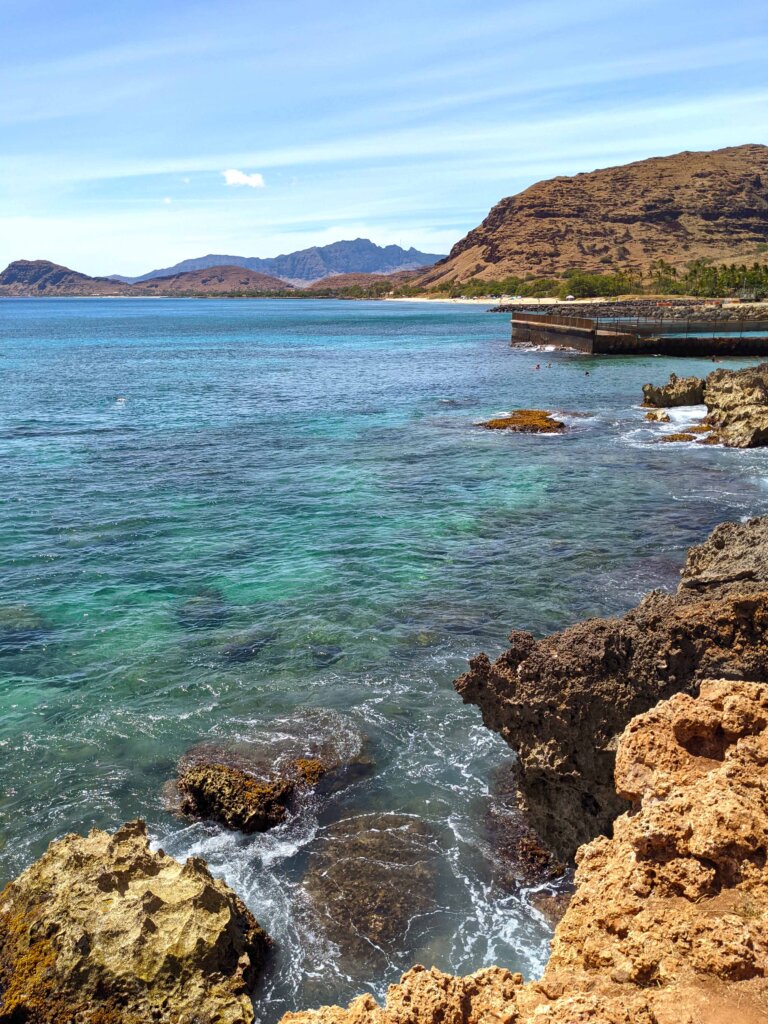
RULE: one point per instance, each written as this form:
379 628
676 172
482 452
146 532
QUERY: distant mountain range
301 268
710 205
39 277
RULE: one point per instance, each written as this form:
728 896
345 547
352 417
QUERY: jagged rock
657 416
101 930
669 920
737 406
369 878
561 702
678 391
253 785
678 438
526 421
233 798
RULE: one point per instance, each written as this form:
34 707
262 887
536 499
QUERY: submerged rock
526 421
205 610
561 702
254 784
19 626
677 438
668 921
369 878
101 930
678 391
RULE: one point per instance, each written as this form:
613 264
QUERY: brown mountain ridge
40 278
710 205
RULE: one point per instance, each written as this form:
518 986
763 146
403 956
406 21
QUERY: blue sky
401 121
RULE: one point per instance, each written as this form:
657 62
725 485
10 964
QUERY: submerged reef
669 920
561 702
736 401
102 930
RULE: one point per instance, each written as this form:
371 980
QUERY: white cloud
167 200
233 177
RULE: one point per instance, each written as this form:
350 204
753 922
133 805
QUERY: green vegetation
700 278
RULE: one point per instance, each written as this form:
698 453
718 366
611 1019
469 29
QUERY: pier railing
647 326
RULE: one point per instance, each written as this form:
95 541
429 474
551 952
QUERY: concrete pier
642 337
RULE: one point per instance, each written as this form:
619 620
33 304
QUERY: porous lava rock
736 400
677 391
253 784
669 920
562 702
102 930
737 405
526 421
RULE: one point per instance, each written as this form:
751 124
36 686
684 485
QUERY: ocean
225 520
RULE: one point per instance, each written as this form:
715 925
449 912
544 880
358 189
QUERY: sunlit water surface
315 472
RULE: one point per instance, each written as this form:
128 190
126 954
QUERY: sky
134 135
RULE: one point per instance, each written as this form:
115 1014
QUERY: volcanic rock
679 391
737 405
101 930
710 205
669 921
561 702
256 783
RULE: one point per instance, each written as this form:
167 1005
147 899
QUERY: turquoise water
312 474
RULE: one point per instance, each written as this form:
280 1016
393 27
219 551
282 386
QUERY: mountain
341 282
360 256
211 281
711 205
40 277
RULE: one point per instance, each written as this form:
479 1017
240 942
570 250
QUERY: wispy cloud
233 177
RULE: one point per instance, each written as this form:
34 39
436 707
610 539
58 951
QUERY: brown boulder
253 785
101 930
561 702
678 391
737 404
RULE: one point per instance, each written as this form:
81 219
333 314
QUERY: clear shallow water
312 469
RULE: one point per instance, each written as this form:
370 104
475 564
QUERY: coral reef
101 930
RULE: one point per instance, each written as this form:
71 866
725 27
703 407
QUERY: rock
255 784
678 391
562 701
233 798
678 437
657 416
669 920
369 878
737 406
101 930
205 610
19 626
526 421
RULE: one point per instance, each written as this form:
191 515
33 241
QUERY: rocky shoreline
642 746
643 309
